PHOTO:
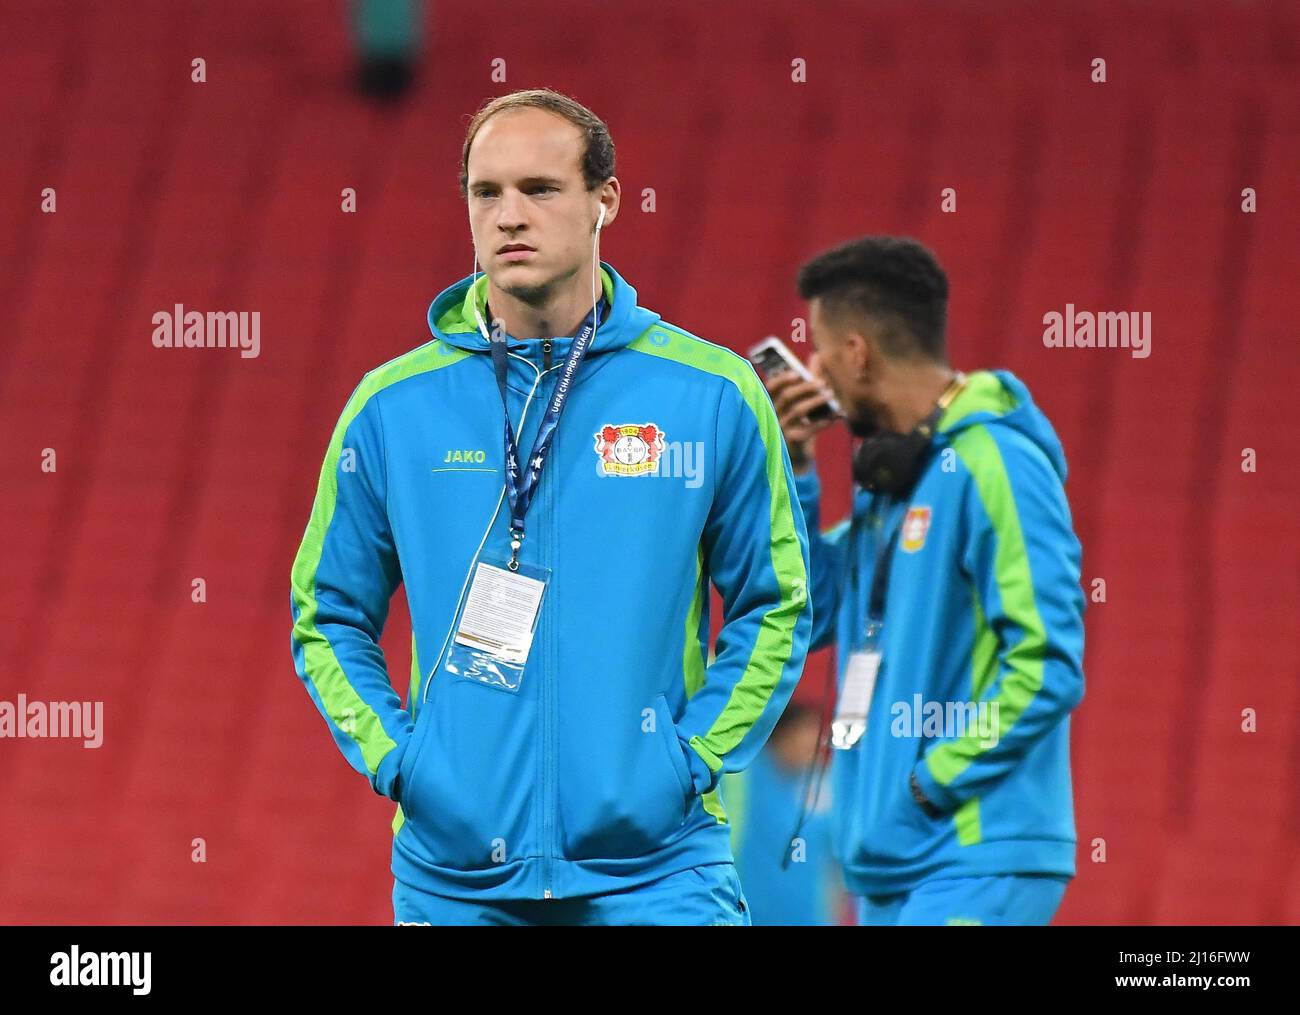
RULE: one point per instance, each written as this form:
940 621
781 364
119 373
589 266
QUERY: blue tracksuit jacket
983 608
602 772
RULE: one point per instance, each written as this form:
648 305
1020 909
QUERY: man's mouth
515 252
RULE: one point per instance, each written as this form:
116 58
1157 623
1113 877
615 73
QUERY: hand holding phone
774 358
803 404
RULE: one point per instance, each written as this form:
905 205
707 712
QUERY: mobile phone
773 357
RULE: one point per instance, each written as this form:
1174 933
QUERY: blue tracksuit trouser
1009 899
698 896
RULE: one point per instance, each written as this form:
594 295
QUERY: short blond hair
597 160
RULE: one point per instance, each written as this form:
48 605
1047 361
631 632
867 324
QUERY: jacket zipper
546 355
550 764
546 860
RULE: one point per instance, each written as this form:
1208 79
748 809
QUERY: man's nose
510 211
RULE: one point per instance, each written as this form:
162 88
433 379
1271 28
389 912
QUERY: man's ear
611 190
861 354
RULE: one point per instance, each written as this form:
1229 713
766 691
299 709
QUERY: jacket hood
999 398
451 314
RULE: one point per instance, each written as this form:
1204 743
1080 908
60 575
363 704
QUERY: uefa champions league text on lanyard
498 617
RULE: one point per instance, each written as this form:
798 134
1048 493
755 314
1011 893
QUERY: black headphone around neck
891 463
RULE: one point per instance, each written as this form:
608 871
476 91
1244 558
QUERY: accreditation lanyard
880 585
863 664
520 492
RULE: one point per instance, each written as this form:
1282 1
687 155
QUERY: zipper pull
546 354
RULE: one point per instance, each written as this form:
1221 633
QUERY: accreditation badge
850 721
496 623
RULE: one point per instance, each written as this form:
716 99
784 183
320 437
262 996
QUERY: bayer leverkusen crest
915 526
630 449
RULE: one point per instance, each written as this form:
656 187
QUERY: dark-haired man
557 761
952 594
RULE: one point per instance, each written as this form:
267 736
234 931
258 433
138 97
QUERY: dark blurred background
174 465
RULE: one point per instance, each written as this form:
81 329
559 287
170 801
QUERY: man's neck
914 389
560 313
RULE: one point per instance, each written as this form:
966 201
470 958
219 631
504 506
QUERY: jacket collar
451 317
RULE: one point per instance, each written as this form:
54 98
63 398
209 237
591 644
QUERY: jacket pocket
470 787
668 734
633 798
409 757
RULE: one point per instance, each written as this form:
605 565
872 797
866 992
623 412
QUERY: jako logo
1106 330
465 456
102 969
215 330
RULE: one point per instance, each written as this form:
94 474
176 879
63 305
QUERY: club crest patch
915 527
629 449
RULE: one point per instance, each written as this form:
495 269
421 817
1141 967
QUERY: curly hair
894 280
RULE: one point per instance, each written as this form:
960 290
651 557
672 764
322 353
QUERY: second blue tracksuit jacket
668 471
982 653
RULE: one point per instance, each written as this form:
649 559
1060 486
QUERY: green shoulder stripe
347 709
775 642
983 393
1023 677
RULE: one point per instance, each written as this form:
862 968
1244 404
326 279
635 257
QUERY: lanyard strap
880 575
521 492
885 555
875 617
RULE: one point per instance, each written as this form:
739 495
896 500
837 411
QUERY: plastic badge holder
495 624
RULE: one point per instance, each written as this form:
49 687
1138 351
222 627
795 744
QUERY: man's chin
862 426
523 281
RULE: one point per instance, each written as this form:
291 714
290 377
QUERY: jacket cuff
941 797
703 778
386 774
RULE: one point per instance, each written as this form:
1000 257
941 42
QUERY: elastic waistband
999 856
522 879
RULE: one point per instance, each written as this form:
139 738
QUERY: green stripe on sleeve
693 667
414 694
693 652
966 820
984 656
346 708
775 642
1023 677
